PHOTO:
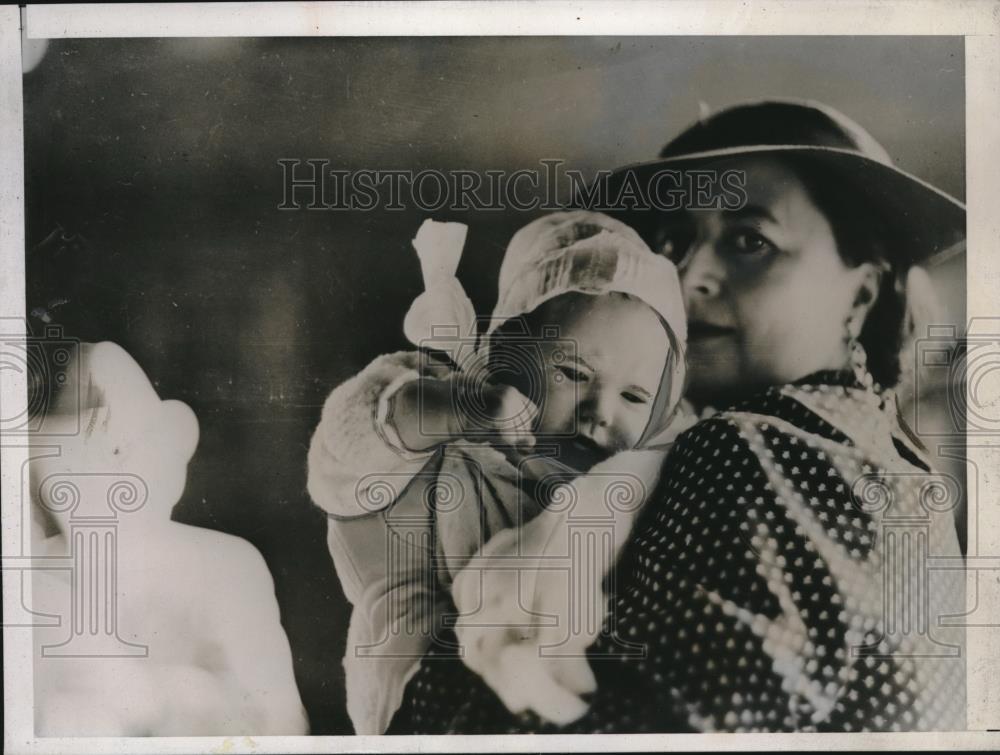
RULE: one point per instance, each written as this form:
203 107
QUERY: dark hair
863 235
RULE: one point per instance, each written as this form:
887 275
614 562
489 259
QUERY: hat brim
927 223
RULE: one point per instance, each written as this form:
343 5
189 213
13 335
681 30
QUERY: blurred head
775 289
109 445
595 366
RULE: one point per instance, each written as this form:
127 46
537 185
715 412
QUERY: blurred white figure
186 639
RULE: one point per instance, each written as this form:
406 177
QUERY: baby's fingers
436 368
515 417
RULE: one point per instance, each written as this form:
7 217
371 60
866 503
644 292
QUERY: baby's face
599 393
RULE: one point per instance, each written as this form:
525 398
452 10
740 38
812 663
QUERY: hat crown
798 123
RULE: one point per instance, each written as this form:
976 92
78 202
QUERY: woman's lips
700 330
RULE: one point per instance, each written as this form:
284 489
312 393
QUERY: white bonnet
574 251
590 253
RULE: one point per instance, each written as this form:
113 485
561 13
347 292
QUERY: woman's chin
715 392
714 382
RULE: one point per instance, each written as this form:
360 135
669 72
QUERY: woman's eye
750 242
571 373
633 398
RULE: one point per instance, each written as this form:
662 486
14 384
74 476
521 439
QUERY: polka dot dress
775 582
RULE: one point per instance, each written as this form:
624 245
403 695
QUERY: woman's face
767 293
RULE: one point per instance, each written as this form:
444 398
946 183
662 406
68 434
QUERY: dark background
157 158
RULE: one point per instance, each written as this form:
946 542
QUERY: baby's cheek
557 409
630 426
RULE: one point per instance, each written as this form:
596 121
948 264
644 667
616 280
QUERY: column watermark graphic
84 507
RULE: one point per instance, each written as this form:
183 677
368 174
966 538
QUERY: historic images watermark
312 184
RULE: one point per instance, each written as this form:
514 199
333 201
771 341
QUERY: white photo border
976 20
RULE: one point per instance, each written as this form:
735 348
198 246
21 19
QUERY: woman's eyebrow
754 211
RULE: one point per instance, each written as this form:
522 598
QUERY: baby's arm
356 445
382 425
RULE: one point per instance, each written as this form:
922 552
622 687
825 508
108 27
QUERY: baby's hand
493 412
445 405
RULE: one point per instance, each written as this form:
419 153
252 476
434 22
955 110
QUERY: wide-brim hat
923 221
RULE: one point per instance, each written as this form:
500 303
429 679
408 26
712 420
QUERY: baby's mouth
582 453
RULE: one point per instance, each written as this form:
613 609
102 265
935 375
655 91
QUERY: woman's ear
869 279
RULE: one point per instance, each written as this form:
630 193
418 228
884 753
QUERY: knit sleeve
355 456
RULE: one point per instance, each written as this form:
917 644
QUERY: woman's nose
700 272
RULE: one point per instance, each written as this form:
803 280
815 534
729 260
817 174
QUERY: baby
418 465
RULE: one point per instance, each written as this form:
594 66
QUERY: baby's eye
572 373
634 398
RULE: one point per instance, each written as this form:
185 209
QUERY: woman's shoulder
804 450
824 406
769 467
777 410
796 435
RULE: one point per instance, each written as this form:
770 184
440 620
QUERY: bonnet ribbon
442 318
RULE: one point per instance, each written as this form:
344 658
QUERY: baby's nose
595 414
